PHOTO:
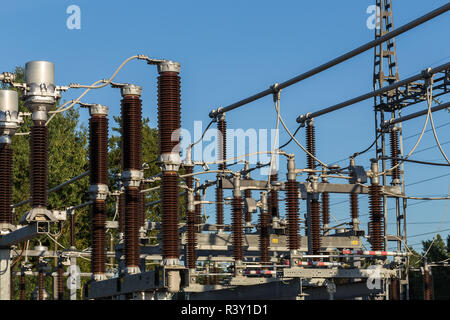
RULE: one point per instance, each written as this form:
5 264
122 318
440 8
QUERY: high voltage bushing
60 278
198 208
310 145
376 216
169 113
22 284
9 122
395 288
98 190
40 95
427 282
292 206
273 198
40 295
121 208
325 208
394 155
191 234
222 152
247 195
132 175
264 228
354 211
237 227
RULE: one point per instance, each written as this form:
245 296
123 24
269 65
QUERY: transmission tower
385 74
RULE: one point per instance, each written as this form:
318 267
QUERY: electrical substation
279 256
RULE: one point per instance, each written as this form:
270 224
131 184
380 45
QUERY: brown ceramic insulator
325 208
264 237
131 113
292 214
394 155
315 226
60 279
376 218
22 285
198 210
237 229
169 111
273 198
191 240
40 284
248 215
169 196
395 289
141 213
39 164
72 230
219 207
427 285
6 215
354 205
131 227
11 284
222 142
121 212
98 149
311 146
216 277
98 233
189 180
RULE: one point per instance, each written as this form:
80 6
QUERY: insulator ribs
237 230
325 208
394 155
315 226
169 196
6 215
273 198
292 214
98 262
39 164
264 236
376 218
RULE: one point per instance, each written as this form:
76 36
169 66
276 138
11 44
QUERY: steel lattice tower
385 73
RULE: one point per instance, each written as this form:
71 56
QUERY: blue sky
231 49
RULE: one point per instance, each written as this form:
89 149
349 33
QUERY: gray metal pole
337 60
415 115
372 94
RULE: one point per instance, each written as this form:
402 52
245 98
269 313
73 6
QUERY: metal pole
415 115
337 60
422 75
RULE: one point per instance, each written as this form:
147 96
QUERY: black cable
284 145
367 149
204 132
418 161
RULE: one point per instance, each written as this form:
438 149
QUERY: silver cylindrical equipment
9 115
41 93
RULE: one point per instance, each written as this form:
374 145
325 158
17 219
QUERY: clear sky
231 49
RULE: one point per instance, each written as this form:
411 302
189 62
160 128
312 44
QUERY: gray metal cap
40 72
169 66
131 90
98 109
